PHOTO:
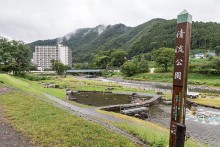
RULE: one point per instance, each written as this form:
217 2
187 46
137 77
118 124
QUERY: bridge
84 71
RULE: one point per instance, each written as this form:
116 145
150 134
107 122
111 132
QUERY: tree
216 63
101 61
118 57
82 66
5 56
14 56
21 56
142 66
164 57
129 68
58 66
217 50
141 63
53 64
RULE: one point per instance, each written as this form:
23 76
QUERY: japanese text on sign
179 49
180 33
177 76
179 62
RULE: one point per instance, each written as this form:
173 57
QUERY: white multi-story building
44 54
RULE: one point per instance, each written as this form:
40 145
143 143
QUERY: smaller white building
65 55
211 54
199 55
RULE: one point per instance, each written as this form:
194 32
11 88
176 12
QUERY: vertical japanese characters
180 74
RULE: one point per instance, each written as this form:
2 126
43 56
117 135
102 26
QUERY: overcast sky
31 20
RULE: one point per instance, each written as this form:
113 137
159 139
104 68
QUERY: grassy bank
155 134
150 133
50 126
207 101
194 79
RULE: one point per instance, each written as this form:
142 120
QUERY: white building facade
44 54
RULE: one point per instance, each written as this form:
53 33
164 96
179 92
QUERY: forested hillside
143 38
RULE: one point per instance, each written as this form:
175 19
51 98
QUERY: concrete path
85 111
90 114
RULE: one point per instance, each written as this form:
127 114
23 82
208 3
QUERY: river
204 126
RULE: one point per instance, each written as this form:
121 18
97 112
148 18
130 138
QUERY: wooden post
180 75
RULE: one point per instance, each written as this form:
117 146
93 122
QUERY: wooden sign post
180 76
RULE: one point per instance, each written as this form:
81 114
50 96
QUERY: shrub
129 68
34 77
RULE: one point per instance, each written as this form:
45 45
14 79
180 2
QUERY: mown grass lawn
194 79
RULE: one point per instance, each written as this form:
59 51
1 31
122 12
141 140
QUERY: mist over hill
156 33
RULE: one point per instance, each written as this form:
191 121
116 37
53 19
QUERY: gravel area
4 90
200 131
156 86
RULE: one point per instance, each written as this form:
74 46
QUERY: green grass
30 86
148 131
20 84
201 79
82 84
50 126
156 77
153 134
194 79
207 101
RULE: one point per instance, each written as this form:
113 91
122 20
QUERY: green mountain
143 38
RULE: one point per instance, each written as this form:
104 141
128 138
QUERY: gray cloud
31 20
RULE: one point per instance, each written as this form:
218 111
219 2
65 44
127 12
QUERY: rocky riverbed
158 86
205 130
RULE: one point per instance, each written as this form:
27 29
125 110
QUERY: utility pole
180 77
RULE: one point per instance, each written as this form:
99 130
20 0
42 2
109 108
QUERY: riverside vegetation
47 125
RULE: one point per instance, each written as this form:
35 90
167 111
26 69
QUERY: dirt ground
4 90
9 137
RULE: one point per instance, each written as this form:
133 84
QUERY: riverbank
209 96
193 78
164 85
35 108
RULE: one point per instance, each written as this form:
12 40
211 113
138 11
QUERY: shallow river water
203 125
